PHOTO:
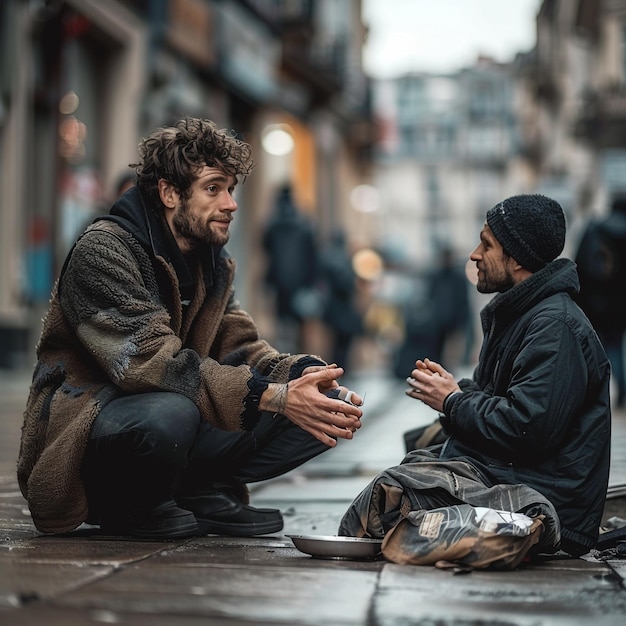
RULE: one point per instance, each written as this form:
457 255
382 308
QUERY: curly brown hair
177 153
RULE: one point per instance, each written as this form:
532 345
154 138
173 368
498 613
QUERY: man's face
495 268
205 217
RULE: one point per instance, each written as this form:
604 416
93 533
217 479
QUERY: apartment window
432 190
485 142
486 99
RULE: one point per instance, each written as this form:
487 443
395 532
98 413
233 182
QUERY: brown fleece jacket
116 326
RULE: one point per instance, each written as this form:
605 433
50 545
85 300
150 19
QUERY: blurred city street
82 578
389 168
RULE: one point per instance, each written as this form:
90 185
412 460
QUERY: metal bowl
335 547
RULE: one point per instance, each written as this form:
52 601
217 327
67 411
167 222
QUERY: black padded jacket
537 410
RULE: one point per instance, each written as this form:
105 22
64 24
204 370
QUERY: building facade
82 81
450 148
579 87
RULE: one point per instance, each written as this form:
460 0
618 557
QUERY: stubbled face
206 216
495 268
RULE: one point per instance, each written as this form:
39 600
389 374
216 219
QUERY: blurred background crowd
368 192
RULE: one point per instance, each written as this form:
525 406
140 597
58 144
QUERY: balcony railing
321 65
602 117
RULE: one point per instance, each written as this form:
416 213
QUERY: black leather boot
136 499
221 512
161 522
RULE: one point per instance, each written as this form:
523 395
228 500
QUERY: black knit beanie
530 228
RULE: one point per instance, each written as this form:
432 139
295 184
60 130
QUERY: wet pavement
86 578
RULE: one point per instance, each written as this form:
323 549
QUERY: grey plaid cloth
424 482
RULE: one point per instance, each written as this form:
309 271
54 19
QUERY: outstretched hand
304 403
431 383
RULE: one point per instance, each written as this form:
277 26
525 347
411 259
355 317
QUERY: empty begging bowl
335 547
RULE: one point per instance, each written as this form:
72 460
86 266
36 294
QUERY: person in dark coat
601 262
291 249
448 293
341 313
537 410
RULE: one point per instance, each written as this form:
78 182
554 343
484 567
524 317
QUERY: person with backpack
601 265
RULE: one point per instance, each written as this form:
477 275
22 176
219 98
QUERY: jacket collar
559 276
149 227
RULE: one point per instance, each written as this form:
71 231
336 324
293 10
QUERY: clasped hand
431 383
327 419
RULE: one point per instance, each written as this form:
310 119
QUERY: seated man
154 400
537 411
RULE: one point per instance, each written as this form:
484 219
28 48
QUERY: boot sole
212 527
189 530
178 531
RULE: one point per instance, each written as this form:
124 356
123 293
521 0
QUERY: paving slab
277 551
618 447
567 591
286 595
619 568
69 616
24 582
80 547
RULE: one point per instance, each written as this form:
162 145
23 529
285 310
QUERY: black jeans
148 448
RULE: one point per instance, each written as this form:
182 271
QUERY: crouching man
154 400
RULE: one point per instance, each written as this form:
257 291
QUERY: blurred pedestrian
124 182
419 326
291 249
531 431
440 326
342 316
154 400
601 261
448 295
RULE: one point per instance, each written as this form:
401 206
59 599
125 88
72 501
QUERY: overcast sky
441 36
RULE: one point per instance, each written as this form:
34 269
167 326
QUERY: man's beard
487 285
196 232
